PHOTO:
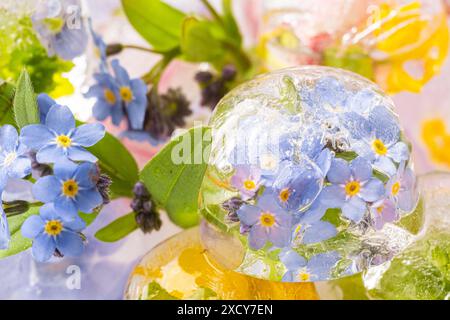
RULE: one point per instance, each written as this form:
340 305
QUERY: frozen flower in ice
59 139
72 188
377 139
383 211
314 147
352 187
54 233
60 27
401 188
297 184
299 270
267 222
329 97
13 160
132 93
108 103
247 180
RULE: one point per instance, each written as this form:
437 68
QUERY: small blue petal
33 226
399 152
372 191
8 138
88 134
66 206
319 231
65 169
60 119
354 209
86 175
69 243
51 153
120 73
44 103
321 264
257 237
292 260
43 247
80 154
361 169
385 165
89 199
47 189
383 124
249 214
35 136
339 171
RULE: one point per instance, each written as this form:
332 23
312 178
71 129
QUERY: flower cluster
149 116
350 159
70 184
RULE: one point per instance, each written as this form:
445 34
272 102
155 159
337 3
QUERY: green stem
243 61
135 47
155 73
213 11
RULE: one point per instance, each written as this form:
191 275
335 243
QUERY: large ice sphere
309 177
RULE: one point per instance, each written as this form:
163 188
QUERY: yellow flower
437 140
404 37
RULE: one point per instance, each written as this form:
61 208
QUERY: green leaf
289 95
157 22
118 229
353 58
174 176
230 23
156 292
6 102
88 218
24 105
202 40
346 155
117 162
18 243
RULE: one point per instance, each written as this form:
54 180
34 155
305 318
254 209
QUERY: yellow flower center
395 188
303 275
53 227
9 159
379 147
284 195
63 141
249 184
267 219
55 25
352 188
109 95
380 209
437 140
126 94
70 188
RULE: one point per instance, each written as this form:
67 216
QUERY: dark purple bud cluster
214 87
147 216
